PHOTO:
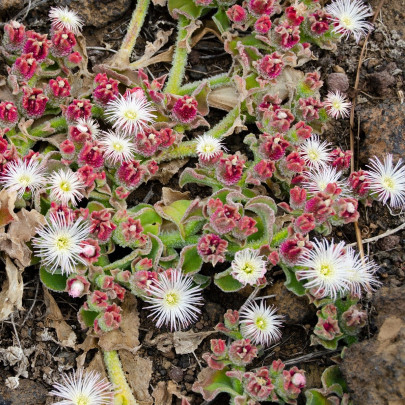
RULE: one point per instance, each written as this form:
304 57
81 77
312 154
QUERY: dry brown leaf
5 93
7 200
161 3
165 56
163 342
97 365
170 196
188 342
138 371
168 169
12 290
224 98
89 343
165 390
126 337
54 319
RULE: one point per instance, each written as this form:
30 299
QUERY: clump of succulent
74 145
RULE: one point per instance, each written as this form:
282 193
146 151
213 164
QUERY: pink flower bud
74 58
101 225
67 149
185 109
91 154
212 248
124 276
292 16
38 45
24 67
218 347
144 264
295 163
354 318
78 109
224 219
229 170
320 206
292 249
260 7
263 24
132 229
288 35
347 209
90 250
244 228
258 384
359 183
33 102
57 210
8 115
79 133
309 108
313 81
327 329
319 22
231 319
122 193
298 197
87 176
58 88
106 91
119 291
130 174
98 300
14 36
77 286
270 66
110 319
299 380
166 137
147 142
273 147
237 14
341 159
143 279
242 352
105 282
265 169
302 130
305 223
63 42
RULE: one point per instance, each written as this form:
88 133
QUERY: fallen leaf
224 98
7 200
138 371
163 342
170 196
54 319
126 336
188 342
164 391
12 290
89 343
97 365
168 169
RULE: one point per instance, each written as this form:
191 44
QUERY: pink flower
321 206
58 88
90 250
92 155
166 137
8 114
63 42
38 45
185 109
273 147
224 219
14 36
292 249
78 109
305 223
263 24
130 174
341 159
132 230
319 22
212 248
147 142
242 352
101 225
230 169
24 66
289 35
270 66
258 384
292 16
359 183
260 7
265 169
237 14
33 102
309 108
106 91
347 209
77 286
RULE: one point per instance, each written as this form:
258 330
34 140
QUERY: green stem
214 82
123 394
179 58
174 240
187 148
122 263
121 58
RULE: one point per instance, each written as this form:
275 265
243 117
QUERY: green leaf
331 378
187 7
202 281
291 282
226 282
314 397
88 317
55 282
95 206
221 20
190 260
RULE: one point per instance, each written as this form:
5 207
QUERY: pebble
199 325
176 374
188 378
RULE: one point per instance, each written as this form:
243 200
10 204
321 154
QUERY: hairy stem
187 148
179 58
214 82
174 240
123 394
121 58
122 263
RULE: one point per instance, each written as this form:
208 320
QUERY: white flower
65 18
22 176
88 125
349 16
174 300
326 268
337 105
83 388
360 272
248 267
387 181
260 323
208 147
130 114
117 147
315 153
65 186
58 244
318 179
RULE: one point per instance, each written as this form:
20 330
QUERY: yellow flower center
248 268
25 180
347 22
260 323
208 147
313 154
172 299
388 183
65 186
260 380
83 400
337 105
62 242
118 147
130 115
326 270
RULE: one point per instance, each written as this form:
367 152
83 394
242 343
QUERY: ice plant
62 17
117 147
22 176
317 180
174 301
386 181
248 267
83 388
59 243
337 105
260 323
314 152
208 147
348 17
65 186
130 114
325 268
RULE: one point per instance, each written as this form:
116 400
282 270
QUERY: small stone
166 364
176 374
337 82
188 378
338 69
184 361
389 242
379 82
199 325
